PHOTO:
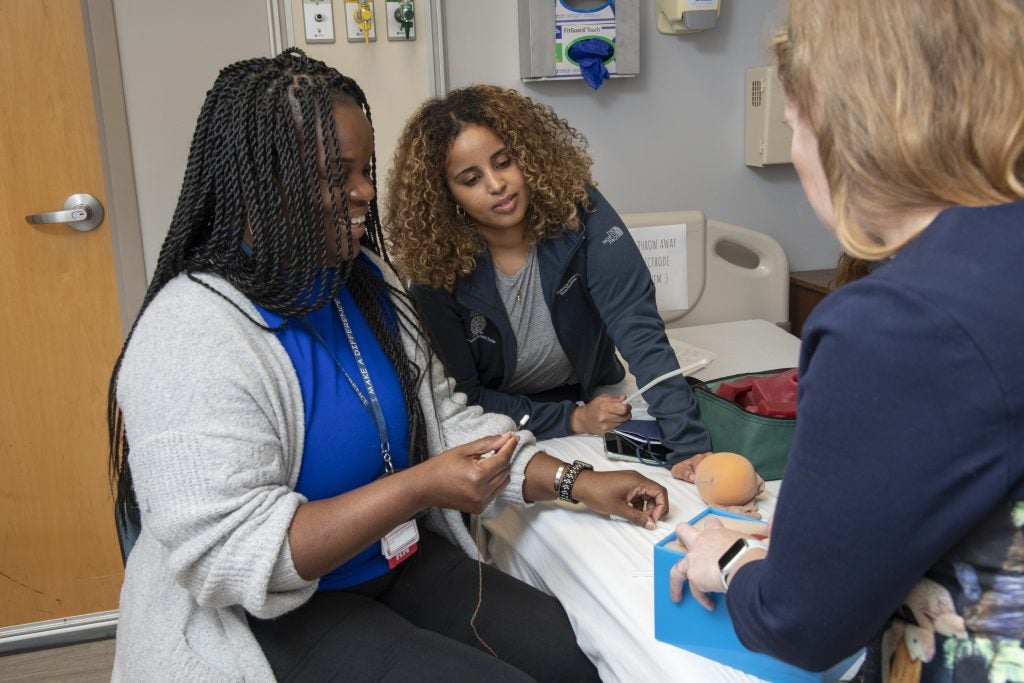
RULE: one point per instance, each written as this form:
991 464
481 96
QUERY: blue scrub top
342 447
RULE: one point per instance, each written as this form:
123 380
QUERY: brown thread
480 601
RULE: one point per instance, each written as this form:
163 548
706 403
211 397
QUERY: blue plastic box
711 634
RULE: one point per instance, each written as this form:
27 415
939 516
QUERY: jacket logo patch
568 285
477 325
612 235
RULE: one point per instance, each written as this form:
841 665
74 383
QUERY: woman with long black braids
299 465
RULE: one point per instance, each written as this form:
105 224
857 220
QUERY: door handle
83 212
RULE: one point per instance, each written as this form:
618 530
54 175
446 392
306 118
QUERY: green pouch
764 441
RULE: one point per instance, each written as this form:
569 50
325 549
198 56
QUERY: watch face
731 553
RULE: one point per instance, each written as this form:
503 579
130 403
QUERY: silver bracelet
558 476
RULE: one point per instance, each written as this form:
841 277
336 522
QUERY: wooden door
60 327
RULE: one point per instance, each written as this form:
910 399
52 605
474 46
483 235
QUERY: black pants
414 625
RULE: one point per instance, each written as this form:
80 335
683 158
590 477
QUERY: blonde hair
916 105
432 243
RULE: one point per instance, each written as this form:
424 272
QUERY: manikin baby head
723 479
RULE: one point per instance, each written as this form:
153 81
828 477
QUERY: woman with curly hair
299 466
524 274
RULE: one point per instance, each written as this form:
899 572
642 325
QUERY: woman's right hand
461 478
604 413
687 469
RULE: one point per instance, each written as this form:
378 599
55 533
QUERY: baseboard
58 632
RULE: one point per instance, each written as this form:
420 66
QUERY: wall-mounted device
401 16
554 33
766 138
686 16
318 19
359 21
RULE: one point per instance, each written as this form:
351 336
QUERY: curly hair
913 107
430 242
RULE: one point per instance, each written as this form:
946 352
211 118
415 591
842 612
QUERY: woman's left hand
627 494
700 566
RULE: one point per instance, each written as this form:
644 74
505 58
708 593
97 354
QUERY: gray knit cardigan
214 417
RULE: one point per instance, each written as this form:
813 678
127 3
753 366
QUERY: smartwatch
731 557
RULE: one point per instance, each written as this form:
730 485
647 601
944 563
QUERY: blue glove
591 54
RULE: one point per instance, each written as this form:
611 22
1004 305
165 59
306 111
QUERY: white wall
671 137
171 53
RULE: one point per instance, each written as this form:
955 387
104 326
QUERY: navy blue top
908 461
342 446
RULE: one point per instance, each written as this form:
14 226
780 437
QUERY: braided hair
253 170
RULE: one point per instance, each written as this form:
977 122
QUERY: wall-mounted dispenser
766 138
686 16
564 39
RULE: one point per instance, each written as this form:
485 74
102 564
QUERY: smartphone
624 447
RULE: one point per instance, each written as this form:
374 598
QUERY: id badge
400 543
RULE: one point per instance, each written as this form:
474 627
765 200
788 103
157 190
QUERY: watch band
731 557
569 480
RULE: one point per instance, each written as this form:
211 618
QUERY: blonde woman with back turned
901 522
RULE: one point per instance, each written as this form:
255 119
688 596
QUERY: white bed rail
733 273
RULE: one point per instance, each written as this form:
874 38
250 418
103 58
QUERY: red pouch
771 395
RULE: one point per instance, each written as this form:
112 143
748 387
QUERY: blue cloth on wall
591 54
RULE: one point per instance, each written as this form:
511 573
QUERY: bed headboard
733 273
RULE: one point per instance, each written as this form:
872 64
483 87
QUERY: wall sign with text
664 250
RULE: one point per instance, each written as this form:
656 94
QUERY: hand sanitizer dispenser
686 16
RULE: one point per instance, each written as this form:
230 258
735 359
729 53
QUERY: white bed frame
733 273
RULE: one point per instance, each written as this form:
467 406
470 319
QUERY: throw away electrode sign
664 251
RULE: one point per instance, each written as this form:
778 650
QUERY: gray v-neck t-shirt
541 364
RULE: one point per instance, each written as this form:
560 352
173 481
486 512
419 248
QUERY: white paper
664 250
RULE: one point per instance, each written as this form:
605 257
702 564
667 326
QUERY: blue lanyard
369 400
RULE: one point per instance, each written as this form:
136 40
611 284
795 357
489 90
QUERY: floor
85 663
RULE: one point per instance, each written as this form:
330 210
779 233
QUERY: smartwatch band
731 557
